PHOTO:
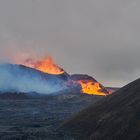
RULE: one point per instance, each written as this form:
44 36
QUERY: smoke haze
96 37
16 78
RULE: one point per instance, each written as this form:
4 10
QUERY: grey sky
97 37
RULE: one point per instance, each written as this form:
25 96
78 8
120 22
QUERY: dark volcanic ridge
112 89
115 117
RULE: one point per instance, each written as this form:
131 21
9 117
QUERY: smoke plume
17 78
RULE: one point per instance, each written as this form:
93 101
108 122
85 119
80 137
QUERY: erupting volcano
47 65
87 84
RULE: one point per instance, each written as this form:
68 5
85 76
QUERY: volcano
115 117
46 77
87 83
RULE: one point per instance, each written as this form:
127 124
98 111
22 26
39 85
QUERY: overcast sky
96 37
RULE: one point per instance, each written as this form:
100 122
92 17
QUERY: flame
90 87
47 65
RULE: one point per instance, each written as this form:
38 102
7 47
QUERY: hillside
115 117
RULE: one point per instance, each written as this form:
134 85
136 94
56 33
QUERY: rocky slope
115 117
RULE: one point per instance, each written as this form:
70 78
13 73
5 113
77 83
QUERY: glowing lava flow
89 87
47 65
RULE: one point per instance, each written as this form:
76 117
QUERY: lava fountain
47 65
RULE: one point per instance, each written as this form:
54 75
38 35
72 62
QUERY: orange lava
47 65
89 87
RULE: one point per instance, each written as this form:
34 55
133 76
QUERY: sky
96 37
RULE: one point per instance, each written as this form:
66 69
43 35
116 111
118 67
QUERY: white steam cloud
15 78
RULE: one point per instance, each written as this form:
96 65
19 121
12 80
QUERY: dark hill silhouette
115 117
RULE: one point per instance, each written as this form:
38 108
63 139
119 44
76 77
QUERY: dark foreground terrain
116 117
37 119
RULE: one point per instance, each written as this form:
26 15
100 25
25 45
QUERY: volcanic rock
115 117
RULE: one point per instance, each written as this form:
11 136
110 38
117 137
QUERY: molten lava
47 65
89 87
